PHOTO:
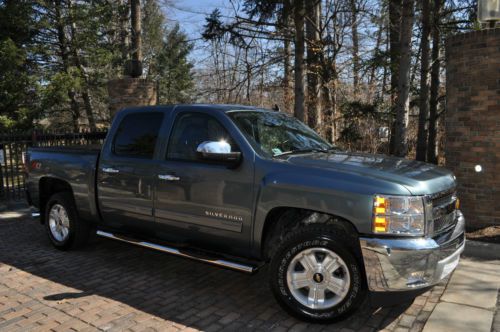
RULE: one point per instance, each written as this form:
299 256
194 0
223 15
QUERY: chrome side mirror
218 151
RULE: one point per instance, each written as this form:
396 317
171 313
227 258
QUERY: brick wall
128 91
472 123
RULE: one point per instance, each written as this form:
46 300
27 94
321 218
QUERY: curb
482 250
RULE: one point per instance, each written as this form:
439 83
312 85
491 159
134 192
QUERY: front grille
443 211
444 222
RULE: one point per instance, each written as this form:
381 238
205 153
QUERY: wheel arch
282 219
49 186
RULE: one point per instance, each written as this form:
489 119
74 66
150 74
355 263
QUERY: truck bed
74 165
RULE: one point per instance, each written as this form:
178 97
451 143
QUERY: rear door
126 174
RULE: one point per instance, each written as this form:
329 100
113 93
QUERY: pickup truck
240 187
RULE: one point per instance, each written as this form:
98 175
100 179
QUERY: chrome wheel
318 278
59 222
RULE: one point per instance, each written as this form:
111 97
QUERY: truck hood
418 177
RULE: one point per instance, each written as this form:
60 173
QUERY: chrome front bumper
406 264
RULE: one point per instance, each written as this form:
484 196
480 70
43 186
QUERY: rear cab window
137 135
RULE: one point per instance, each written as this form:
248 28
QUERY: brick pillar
472 123
128 91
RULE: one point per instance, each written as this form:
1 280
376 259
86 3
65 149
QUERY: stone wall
128 91
472 123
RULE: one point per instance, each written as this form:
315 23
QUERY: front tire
64 228
315 275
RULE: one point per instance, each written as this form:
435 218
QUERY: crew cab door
126 174
205 203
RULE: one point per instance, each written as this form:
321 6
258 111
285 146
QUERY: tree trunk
287 69
334 106
299 60
248 67
435 83
287 56
372 84
89 112
327 129
124 29
328 87
313 63
414 68
135 15
63 49
424 82
394 52
355 46
329 105
385 74
403 100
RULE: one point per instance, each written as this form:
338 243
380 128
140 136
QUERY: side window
192 129
137 134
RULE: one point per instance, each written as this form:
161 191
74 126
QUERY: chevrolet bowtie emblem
318 277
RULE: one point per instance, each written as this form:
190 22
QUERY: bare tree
313 21
435 83
403 100
334 27
135 15
87 102
124 11
372 82
355 45
287 55
424 82
350 45
394 52
299 108
64 53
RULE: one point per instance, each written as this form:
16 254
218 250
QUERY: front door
208 203
126 174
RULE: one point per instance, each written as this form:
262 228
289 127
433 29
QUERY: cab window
137 134
192 129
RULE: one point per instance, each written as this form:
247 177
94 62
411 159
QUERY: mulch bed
489 234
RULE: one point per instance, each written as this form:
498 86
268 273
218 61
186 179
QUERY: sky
190 14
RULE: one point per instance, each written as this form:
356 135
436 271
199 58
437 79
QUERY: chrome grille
444 222
443 211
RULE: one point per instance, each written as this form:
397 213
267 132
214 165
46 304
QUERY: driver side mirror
218 151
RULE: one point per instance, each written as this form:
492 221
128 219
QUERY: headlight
398 215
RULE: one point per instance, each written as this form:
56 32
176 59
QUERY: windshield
278 133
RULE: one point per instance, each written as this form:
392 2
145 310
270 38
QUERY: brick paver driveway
114 286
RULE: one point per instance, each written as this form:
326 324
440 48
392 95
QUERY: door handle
110 170
168 177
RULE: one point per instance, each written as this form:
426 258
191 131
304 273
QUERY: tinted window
192 129
137 134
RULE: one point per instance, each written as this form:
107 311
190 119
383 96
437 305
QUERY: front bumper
412 263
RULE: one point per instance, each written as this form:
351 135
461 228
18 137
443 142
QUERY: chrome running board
174 251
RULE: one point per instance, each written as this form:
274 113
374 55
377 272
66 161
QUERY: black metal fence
14 144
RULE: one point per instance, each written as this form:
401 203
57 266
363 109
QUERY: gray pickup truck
240 186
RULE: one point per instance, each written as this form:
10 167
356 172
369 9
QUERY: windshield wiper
305 151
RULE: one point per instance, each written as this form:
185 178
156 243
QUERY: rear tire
65 230
315 275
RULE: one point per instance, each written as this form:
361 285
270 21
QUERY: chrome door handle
169 177
110 170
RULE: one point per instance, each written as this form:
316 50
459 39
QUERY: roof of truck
214 107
